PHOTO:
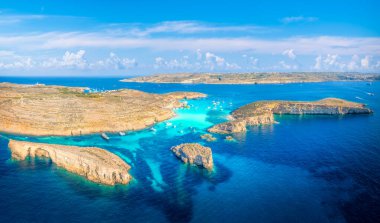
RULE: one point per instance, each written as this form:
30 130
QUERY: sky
131 38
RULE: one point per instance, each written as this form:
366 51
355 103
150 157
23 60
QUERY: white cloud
289 53
6 19
11 60
377 66
301 45
334 62
172 64
69 60
353 64
329 62
293 19
20 63
213 61
72 60
210 62
115 62
186 27
199 54
365 62
286 66
318 62
253 61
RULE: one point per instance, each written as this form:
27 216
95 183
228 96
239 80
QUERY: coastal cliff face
259 113
194 153
56 110
93 163
229 127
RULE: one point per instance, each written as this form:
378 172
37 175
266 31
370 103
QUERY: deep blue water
304 169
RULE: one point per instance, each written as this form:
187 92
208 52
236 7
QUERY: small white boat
153 129
104 136
371 94
122 133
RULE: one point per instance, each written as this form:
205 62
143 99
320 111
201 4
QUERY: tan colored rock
261 112
229 127
229 139
95 164
194 153
208 137
55 110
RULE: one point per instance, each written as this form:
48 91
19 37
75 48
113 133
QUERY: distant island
253 78
261 112
40 110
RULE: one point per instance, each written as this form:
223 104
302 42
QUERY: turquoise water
304 169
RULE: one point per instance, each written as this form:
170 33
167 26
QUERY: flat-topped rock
95 164
208 137
194 153
62 111
261 112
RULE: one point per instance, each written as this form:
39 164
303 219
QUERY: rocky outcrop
194 153
229 139
208 137
56 110
240 124
95 164
259 113
229 127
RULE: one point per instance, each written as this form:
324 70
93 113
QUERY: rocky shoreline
262 112
194 153
95 164
40 110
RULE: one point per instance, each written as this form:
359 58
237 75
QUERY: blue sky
120 38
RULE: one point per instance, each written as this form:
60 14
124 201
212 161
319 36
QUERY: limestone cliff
97 165
194 153
259 113
56 110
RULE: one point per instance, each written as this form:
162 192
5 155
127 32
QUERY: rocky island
41 110
208 137
253 78
194 153
262 112
95 164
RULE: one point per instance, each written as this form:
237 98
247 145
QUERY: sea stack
95 164
194 153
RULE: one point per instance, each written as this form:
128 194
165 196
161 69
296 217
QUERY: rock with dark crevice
194 153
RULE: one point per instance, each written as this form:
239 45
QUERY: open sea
304 169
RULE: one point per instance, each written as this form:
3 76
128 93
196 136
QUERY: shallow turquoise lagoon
304 169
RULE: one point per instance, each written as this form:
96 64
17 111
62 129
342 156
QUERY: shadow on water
174 194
